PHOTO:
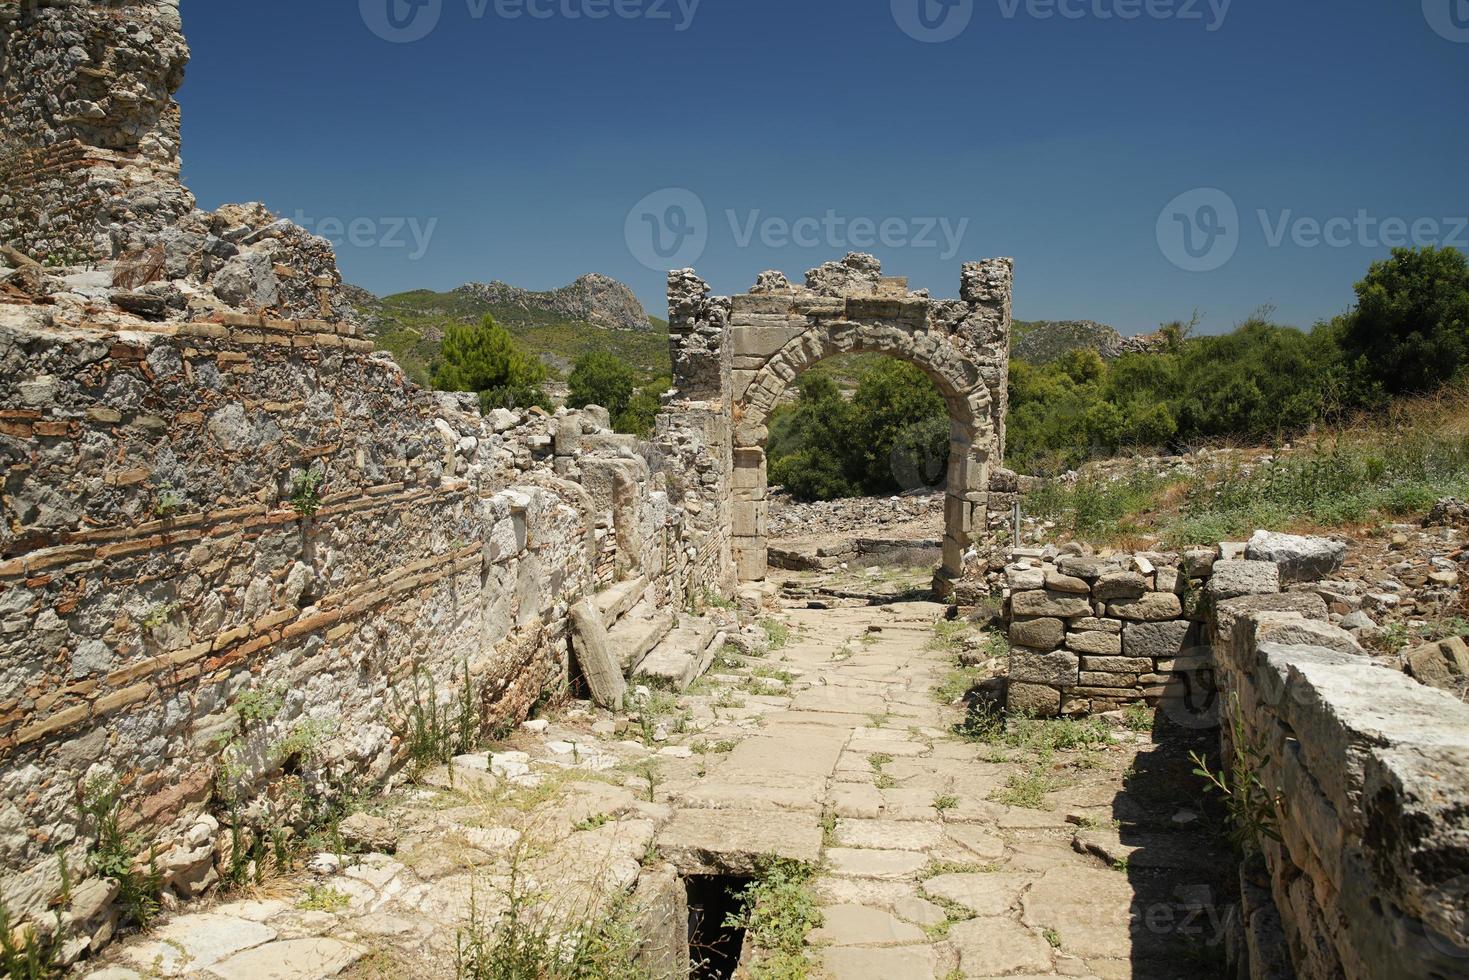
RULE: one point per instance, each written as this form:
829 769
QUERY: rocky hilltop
595 299
1038 341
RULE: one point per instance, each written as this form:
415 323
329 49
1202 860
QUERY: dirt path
1055 849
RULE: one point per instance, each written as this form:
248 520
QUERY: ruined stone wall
1362 771
179 611
1369 771
89 129
1091 635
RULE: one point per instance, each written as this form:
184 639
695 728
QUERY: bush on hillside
485 359
602 379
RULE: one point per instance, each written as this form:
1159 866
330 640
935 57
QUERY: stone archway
745 351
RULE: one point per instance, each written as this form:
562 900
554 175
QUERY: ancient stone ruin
247 568
743 353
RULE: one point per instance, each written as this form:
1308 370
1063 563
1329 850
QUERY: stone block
1091 624
1096 644
1025 579
1119 585
1158 640
765 339
1060 605
1153 607
1120 681
1038 634
1442 665
1117 665
1300 558
1071 585
1233 578
1035 700
1088 568
1293 629
1056 668
750 518
1199 562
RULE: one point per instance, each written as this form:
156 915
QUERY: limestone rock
1152 607
1444 665
370 833
1301 559
1233 578
1038 634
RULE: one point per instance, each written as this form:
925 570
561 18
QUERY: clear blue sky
524 143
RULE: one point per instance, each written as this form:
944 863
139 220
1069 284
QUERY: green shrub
602 379
485 359
1410 331
778 909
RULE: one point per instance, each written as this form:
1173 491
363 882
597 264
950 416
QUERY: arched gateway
741 353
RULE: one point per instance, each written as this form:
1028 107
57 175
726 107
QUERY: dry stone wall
1091 635
1362 771
184 610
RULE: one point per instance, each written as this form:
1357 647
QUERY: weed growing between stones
778 909
877 762
1253 807
1137 717
1027 790
532 941
1043 735
436 730
114 853
320 898
777 634
25 954
652 774
305 497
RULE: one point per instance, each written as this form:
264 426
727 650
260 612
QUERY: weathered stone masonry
153 570
89 131
1363 771
743 353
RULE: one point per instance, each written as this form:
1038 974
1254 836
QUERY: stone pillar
88 94
698 327
751 508
987 288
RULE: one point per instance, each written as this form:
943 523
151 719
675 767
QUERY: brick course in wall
154 570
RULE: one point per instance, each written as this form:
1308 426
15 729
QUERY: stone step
636 634
615 601
683 656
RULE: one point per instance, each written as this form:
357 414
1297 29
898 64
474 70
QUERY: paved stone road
925 875
832 750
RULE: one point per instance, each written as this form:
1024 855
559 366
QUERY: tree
1410 331
485 359
643 409
819 434
602 379
897 410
